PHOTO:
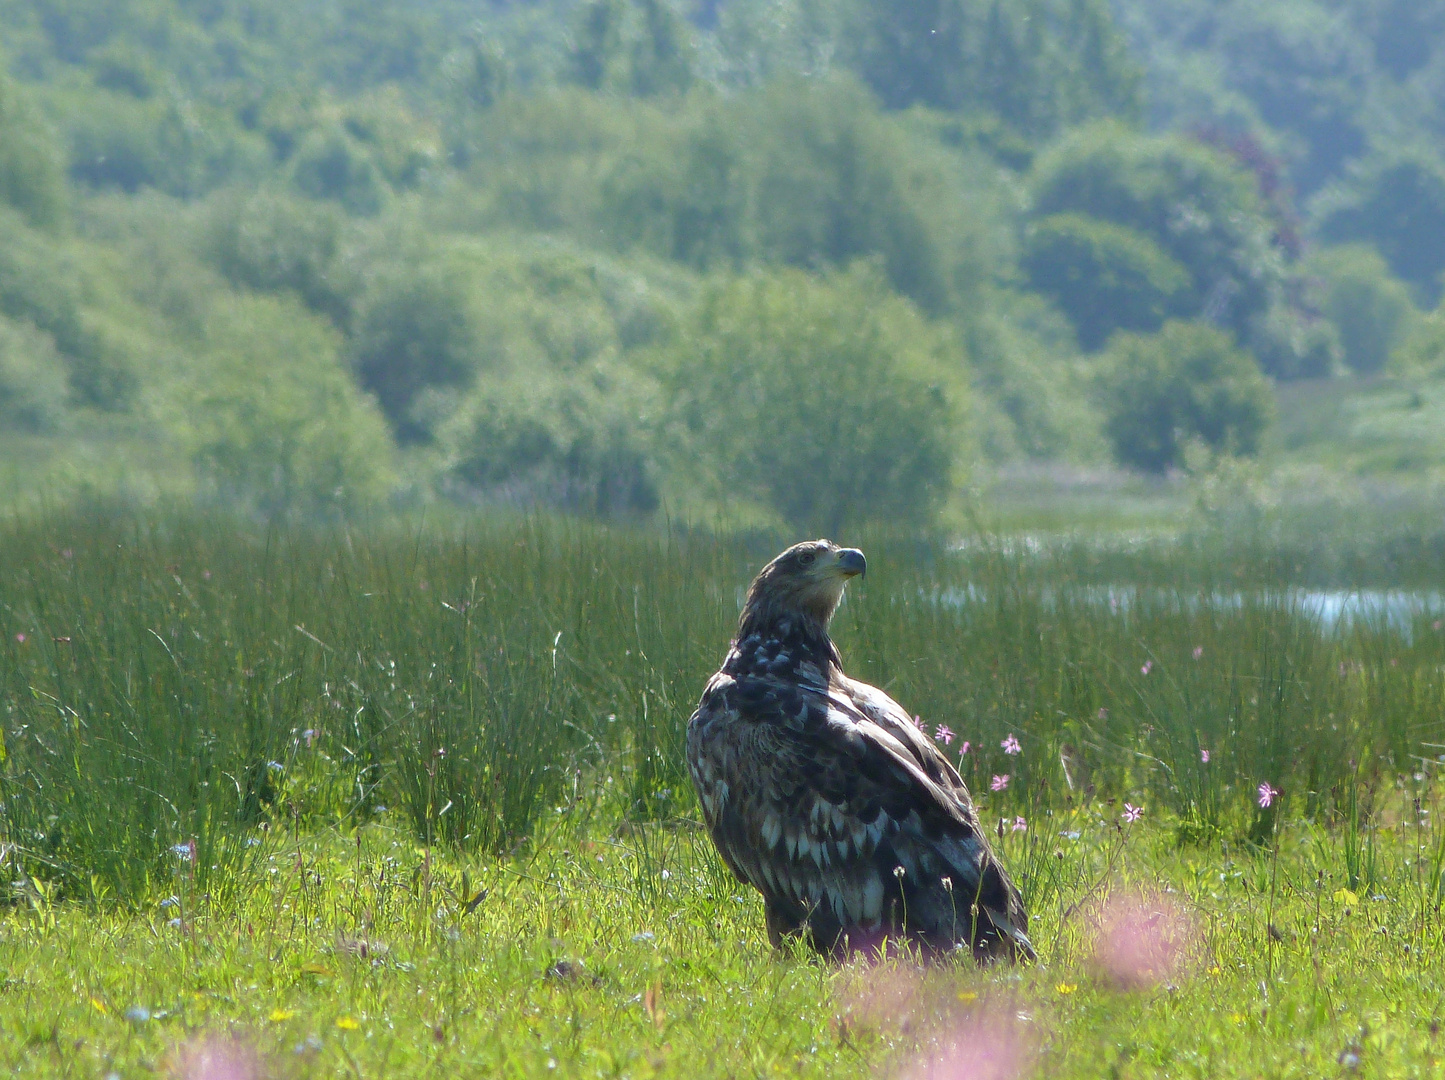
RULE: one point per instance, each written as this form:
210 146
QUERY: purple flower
1148 667
1132 813
1266 794
963 749
944 734
999 782
1204 756
1198 651
1011 745
20 638
1020 825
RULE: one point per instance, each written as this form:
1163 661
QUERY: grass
374 801
604 955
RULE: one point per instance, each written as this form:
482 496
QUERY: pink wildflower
1198 651
1132 813
1011 745
1103 714
943 734
999 782
1266 794
1020 825
1148 667
20 638
963 749
1204 756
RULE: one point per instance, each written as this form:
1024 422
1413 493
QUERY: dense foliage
305 259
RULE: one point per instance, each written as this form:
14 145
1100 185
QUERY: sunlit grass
632 954
373 801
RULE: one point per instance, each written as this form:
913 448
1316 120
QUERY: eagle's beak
851 563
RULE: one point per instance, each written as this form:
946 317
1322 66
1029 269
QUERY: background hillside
811 262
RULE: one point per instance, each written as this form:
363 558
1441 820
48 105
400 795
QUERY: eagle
822 793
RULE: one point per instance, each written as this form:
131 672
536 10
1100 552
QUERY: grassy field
369 801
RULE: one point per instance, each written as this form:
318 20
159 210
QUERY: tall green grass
179 689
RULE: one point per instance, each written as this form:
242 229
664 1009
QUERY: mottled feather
824 795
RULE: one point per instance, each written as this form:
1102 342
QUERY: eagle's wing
843 822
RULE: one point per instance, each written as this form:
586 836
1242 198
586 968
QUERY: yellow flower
1066 988
347 1023
1238 1018
98 1006
281 1015
1346 897
1216 970
967 995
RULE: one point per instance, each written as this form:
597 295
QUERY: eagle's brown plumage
821 793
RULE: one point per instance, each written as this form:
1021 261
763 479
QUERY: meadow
371 800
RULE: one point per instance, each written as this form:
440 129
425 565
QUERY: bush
1294 342
32 379
1039 64
43 282
1198 206
1188 382
807 175
415 331
1423 352
1105 277
826 403
639 47
280 426
31 179
582 443
1370 308
273 241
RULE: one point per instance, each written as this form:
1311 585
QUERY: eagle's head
806 580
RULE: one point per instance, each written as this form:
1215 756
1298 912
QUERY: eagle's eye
807 557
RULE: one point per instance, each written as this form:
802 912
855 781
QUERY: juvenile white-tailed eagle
824 795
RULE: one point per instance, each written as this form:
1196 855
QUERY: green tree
415 331
1370 308
1105 277
31 179
1188 382
1040 65
806 174
279 424
638 47
33 390
583 443
1198 206
273 241
826 402
1397 203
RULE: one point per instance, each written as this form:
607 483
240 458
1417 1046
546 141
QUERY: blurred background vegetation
804 263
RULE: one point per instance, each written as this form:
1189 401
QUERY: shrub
1105 277
1188 382
1369 307
824 402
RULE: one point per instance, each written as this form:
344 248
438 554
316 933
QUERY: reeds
174 688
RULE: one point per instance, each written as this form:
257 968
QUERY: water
1335 609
